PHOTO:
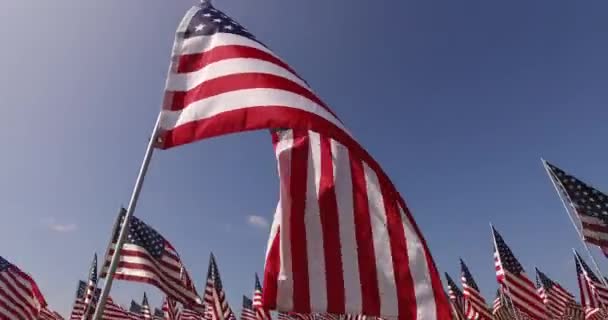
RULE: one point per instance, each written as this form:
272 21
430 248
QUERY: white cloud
257 221
52 224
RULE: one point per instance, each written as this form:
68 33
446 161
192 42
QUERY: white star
199 27
228 27
218 20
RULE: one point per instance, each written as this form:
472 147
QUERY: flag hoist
343 240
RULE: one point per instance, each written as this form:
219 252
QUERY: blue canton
81 289
508 260
143 236
4 264
580 265
544 280
208 21
468 278
247 303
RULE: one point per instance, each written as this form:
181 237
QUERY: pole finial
205 2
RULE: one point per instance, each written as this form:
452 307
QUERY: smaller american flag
556 298
456 299
215 297
476 307
91 286
47 314
590 204
170 309
594 294
145 308
574 311
158 314
20 297
501 309
247 312
258 302
511 275
284 316
187 314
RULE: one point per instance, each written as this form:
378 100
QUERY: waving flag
476 304
145 308
511 275
188 314
91 287
501 309
590 204
149 258
347 241
258 301
158 314
594 294
112 311
170 309
215 297
556 298
20 297
47 314
247 312
456 299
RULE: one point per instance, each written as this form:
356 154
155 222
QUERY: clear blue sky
458 100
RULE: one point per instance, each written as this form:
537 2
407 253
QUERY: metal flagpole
123 230
567 207
503 271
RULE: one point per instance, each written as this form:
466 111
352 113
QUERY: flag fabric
594 294
511 275
20 297
348 243
501 309
158 314
170 309
554 296
112 310
215 297
574 311
78 307
475 302
590 204
188 314
148 257
48 314
258 301
145 308
456 299
91 287
247 312
283 316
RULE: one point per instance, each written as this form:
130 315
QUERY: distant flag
590 204
258 301
112 310
215 297
511 275
476 304
20 297
594 294
574 311
501 310
247 312
555 297
284 316
145 308
456 299
158 314
188 314
170 309
149 258
347 242
89 300
48 314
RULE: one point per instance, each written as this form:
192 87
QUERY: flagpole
572 220
515 314
123 230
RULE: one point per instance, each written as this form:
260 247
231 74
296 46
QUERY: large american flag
258 301
594 294
476 304
511 275
556 298
590 204
148 257
347 241
247 312
217 307
20 297
456 299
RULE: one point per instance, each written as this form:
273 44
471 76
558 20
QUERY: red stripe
22 302
8 308
370 294
595 227
145 255
406 297
271 272
298 187
330 224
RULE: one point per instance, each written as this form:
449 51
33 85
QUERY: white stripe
167 272
285 277
382 248
202 44
188 81
348 239
595 235
314 230
425 297
243 99
11 305
23 299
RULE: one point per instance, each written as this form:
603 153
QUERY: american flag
112 311
215 297
20 297
511 275
170 309
48 314
556 298
258 301
590 204
247 312
284 316
145 308
187 314
456 299
475 302
91 286
574 311
342 218
594 294
149 258
501 310
158 314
